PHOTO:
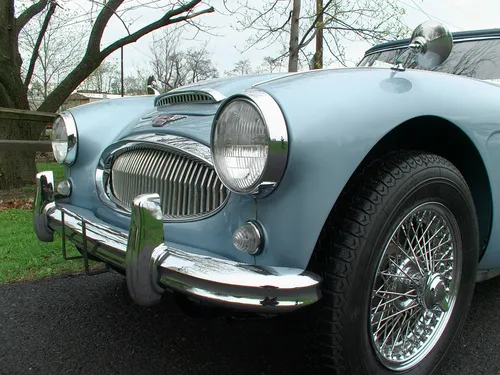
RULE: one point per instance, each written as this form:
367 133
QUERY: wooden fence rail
24 115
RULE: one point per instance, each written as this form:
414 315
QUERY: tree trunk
293 59
19 168
318 56
16 168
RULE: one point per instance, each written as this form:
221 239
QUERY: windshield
478 59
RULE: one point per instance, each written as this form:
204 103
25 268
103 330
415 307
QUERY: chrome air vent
204 96
176 168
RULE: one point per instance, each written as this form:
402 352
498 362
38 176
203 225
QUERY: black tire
352 243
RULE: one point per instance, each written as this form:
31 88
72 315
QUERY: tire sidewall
432 184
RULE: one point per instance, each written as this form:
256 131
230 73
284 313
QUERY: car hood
230 85
193 120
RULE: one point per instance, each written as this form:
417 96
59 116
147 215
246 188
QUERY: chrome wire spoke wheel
415 286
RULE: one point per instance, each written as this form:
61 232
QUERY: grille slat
190 184
187 187
164 177
196 188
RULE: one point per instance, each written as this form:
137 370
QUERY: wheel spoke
384 292
396 321
404 272
407 294
399 332
411 247
414 259
422 247
398 313
442 258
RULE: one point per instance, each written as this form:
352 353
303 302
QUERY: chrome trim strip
165 142
151 267
176 143
276 78
72 135
405 46
278 139
217 95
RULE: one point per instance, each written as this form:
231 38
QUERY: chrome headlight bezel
69 124
278 142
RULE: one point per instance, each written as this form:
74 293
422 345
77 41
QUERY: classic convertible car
363 198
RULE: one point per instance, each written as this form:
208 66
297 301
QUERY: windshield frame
458 37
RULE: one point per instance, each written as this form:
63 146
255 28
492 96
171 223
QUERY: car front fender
334 119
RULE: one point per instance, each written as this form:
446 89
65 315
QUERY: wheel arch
450 142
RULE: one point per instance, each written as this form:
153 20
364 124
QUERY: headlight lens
59 140
250 143
241 146
64 138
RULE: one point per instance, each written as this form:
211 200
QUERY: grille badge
161 120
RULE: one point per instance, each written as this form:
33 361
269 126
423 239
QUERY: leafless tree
165 62
340 21
135 83
57 54
199 64
106 78
241 67
18 168
270 65
174 67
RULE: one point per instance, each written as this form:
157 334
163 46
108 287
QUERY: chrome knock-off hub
434 293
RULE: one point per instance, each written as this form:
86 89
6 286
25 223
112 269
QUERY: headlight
64 138
250 143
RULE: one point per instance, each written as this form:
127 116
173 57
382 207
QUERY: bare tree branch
100 24
313 25
94 56
164 21
347 20
36 48
119 17
29 13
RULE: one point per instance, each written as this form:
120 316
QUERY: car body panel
329 134
229 85
97 130
320 166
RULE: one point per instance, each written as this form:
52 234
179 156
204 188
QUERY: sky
227 46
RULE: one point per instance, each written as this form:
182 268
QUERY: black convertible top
457 36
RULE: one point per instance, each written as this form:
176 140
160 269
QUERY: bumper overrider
151 267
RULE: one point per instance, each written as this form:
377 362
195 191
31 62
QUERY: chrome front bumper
151 267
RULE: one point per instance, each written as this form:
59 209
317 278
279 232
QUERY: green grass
28 191
24 257
58 169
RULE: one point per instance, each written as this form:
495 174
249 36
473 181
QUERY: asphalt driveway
88 325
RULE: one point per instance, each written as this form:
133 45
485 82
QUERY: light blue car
365 198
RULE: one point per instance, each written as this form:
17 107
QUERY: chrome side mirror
431 44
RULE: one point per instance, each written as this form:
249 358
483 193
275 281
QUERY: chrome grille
187 187
185 98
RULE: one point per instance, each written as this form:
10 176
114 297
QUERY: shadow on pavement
88 325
